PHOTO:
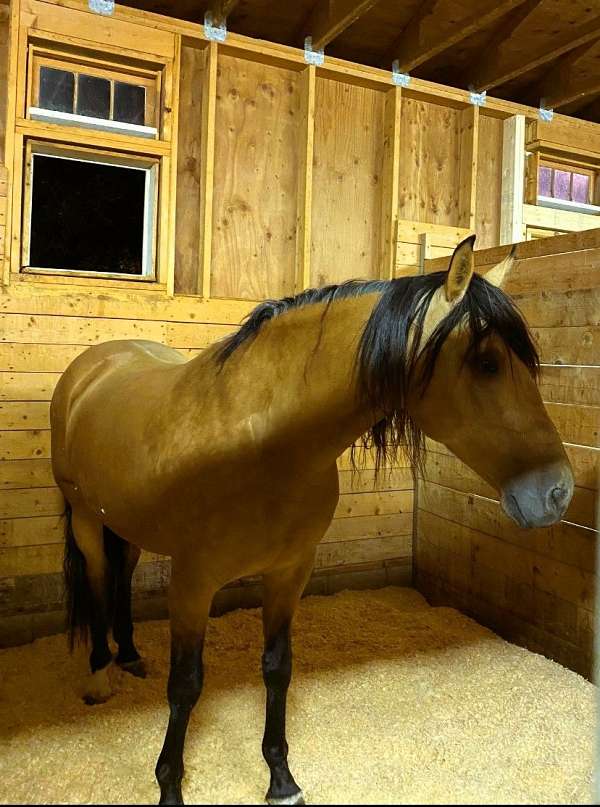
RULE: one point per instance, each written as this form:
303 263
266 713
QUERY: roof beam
566 82
429 32
221 9
502 63
329 18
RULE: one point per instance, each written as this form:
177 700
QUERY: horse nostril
559 494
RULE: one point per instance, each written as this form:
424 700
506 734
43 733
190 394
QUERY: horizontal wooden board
447 470
26 474
24 415
569 345
27 386
353 529
576 424
545 308
397 479
371 549
31 502
21 445
118 303
570 385
34 531
379 503
565 543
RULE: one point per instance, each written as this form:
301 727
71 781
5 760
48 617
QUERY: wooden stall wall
535 587
274 175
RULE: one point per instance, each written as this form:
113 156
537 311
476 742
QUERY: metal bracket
211 31
545 114
398 78
104 7
477 98
312 56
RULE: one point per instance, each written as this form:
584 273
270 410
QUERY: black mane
386 357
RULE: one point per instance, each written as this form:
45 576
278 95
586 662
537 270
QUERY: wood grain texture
189 159
489 182
347 182
430 165
256 180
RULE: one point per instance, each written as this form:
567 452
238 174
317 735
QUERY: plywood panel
489 182
256 180
347 182
429 163
189 156
4 20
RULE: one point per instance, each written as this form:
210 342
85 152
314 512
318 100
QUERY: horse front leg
189 606
282 592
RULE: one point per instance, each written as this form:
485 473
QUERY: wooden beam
391 182
567 82
429 33
329 18
209 101
305 179
513 169
503 63
469 140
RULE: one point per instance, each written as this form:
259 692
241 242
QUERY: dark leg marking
184 688
277 673
128 657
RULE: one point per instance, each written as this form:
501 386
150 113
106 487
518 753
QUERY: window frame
151 167
106 68
571 168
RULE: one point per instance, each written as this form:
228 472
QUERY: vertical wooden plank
469 140
207 167
189 169
424 250
489 181
173 102
305 177
391 179
513 171
10 158
531 183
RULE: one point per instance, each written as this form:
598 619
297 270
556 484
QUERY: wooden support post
424 250
209 103
174 123
469 139
391 171
10 156
305 177
513 171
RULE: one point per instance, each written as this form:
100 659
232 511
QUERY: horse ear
460 271
498 274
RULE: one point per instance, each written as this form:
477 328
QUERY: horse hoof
98 688
137 667
295 798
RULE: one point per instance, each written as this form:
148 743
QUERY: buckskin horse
227 462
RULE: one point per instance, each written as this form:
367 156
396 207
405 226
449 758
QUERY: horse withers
227 462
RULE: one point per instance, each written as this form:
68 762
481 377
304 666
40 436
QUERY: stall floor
392 701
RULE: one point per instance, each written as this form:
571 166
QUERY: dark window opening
130 103
56 89
86 217
93 96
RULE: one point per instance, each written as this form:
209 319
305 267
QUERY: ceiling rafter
566 83
502 63
428 33
221 9
329 18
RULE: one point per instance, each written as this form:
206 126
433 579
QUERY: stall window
88 213
92 95
566 183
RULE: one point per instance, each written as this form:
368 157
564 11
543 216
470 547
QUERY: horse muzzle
539 498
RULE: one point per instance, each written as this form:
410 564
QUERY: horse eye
488 365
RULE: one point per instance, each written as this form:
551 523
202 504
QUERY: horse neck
296 381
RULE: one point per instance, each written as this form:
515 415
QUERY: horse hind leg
123 558
87 579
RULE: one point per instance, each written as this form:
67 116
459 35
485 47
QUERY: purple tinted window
581 188
562 184
545 181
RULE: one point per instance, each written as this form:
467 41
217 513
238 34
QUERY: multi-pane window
92 94
566 183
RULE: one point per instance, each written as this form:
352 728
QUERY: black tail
78 593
